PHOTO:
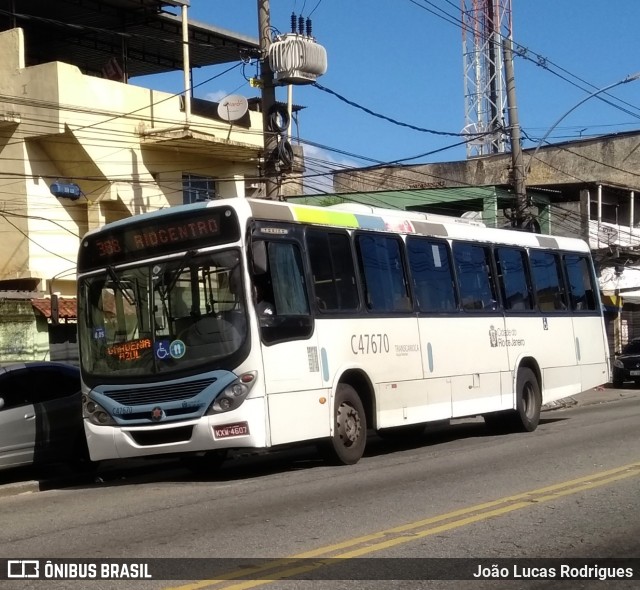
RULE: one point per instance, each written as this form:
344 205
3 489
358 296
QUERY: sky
403 59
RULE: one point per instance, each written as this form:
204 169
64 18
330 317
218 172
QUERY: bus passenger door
290 356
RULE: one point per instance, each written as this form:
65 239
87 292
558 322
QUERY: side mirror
259 257
1 403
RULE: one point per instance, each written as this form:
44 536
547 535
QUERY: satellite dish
232 107
472 129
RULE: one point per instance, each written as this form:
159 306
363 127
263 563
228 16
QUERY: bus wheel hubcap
527 400
348 424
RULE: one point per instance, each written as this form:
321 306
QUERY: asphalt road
27 480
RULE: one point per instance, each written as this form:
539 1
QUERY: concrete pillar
490 210
544 218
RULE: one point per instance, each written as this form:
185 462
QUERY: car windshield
162 317
632 348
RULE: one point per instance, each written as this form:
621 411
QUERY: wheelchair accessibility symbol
165 350
162 349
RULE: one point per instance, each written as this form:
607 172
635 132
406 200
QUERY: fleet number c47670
369 343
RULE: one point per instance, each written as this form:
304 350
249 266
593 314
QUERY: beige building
129 149
73 123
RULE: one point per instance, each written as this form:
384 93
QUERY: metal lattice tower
485 24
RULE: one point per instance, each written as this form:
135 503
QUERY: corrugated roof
67 308
409 199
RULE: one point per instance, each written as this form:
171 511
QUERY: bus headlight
95 413
232 396
618 363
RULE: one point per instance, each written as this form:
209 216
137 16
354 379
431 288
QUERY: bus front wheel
346 446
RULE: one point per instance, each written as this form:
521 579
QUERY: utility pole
268 101
517 160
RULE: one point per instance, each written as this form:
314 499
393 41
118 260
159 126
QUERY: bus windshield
164 316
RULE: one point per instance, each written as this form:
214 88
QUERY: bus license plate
228 430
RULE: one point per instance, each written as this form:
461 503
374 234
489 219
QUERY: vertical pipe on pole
186 66
268 100
631 210
599 211
599 204
290 109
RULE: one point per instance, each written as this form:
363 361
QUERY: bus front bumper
218 431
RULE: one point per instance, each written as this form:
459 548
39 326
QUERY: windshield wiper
176 275
116 279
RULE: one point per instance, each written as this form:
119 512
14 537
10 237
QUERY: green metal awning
486 200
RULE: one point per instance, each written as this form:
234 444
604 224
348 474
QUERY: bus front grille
151 437
158 393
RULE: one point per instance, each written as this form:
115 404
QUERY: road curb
22 487
591 397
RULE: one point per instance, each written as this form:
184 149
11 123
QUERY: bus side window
383 274
547 280
581 287
475 278
513 279
334 281
287 279
285 276
430 265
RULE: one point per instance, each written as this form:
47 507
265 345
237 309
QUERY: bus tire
80 461
347 444
526 416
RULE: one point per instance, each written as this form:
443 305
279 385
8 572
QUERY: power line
395 121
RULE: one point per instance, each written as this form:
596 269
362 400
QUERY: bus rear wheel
526 416
347 444
528 402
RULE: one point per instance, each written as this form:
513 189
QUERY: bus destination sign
152 237
144 238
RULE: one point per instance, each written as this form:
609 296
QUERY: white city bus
376 319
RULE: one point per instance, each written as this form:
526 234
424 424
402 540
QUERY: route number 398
369 343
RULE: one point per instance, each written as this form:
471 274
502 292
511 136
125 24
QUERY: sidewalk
597 395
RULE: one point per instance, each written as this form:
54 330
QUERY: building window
198 188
